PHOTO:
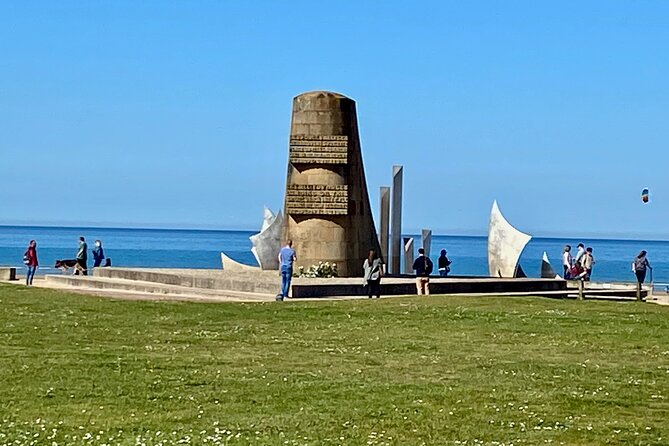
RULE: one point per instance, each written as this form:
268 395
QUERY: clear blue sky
177 113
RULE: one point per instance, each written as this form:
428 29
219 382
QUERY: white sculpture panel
267 242
229 264
505 244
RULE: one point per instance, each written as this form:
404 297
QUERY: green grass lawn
406 371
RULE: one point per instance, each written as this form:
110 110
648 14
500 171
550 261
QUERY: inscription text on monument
312 199
319 149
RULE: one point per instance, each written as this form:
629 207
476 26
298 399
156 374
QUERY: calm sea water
201 249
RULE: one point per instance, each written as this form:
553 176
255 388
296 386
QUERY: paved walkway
660 298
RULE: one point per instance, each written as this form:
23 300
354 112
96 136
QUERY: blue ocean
178 248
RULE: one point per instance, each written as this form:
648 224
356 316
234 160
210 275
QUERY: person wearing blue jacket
98 254
423 267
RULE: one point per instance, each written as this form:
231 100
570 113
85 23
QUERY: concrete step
263 282
144 287
573 284
614 293
604 289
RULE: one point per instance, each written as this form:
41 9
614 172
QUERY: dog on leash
65 265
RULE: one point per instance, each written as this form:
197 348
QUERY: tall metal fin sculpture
384 232
394 261
426 241
505 244
408 255
267 242
547 271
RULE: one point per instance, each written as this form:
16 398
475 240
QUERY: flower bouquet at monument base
322 270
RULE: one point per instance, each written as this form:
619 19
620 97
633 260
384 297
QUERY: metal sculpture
547 271
267 242
505 244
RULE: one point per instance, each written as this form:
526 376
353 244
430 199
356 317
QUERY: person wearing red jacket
30 259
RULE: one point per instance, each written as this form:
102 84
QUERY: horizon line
643 238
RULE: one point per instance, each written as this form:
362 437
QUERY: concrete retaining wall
251 282
268 282
437 286
7 273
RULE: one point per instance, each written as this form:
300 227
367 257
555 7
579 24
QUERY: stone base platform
264 285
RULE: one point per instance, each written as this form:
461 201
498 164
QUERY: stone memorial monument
327 212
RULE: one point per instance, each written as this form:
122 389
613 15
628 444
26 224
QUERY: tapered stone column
327 210
426 240
384 210
408 255
396 220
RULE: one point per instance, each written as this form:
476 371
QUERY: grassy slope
437 370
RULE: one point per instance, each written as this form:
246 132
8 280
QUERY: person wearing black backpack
639 267
423 267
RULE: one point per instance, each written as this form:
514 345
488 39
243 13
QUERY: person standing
286 259
580 252
444 264
30 259
640 265
423 267
98 254
566 261
587 261
373 272
82 257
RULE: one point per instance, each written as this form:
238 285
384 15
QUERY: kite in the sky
644 195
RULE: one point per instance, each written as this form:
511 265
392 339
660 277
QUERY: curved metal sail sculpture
267 242
505 244
547 271
265 248
232 265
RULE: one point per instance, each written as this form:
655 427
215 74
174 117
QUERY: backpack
640 264
428 266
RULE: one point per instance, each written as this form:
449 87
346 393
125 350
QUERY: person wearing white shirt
587 261
580 252
566 261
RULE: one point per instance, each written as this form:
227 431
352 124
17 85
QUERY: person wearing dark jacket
98 254
423 267
444 264
640 265
82 257
30 260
